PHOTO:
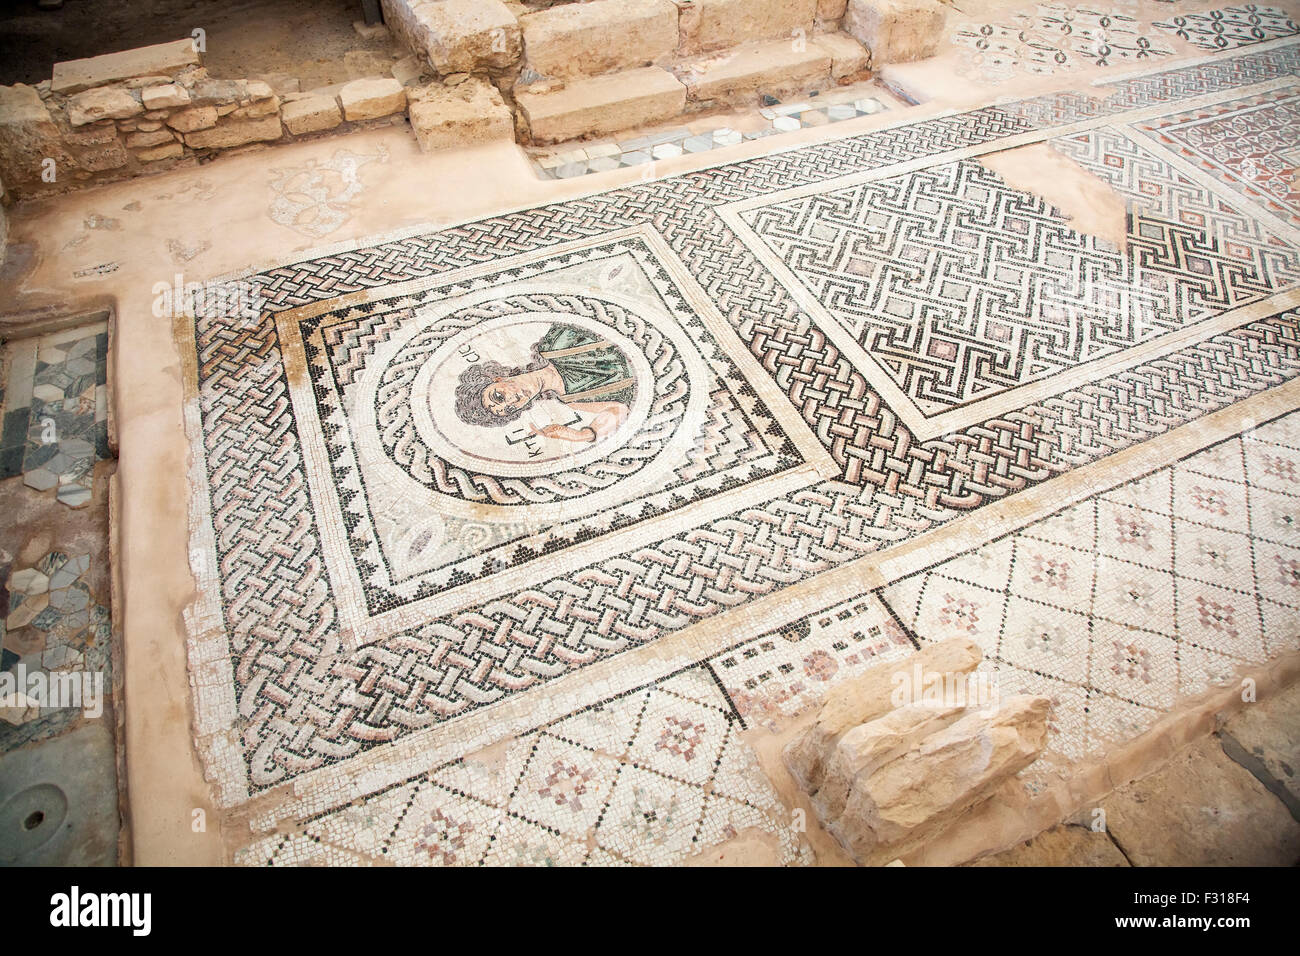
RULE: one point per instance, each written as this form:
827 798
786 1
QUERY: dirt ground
309 39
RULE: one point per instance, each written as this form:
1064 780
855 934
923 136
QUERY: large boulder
866 697
913 798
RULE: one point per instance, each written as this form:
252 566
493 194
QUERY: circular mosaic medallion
531 398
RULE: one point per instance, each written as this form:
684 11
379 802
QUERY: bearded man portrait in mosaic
568 364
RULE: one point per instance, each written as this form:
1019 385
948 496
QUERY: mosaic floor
512 535
1054 38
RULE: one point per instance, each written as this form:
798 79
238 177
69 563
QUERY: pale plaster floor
220 219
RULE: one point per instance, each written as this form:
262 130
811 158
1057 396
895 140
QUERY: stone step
601 36
602 104
468 114
161 59
716 24
896 31
778 68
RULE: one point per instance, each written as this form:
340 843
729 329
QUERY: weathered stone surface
896 31
17 708
140 82
154 138
404 24
28 135
360 64
195 118
165 97
776 68
1202 809
217 93
105 103
161 59
257 108
281 83
461 36
830 9
601 36
1064 845
865 698
468 114
913 798
408 70
257 90
97 159
1269 730
311 114
602 104
155 153
848 56
724 23
91 135
371 98
236 133
867 747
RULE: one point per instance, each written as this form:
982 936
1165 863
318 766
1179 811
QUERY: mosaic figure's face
504 396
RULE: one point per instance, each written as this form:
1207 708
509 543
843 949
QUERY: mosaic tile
1248 144
570 793
1162 602
1056 37
52 623
1231 27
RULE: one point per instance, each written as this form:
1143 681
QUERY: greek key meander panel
959 288
280 689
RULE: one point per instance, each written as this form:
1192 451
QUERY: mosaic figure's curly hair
475 380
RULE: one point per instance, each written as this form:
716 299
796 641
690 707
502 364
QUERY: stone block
311 114
866 697
468 114
869 746
462 36
194 118
236 133
602 36
777 68
724 23
100 104
848 56
917 796
372 97
603 104
1064 845
1202 809
154 138
28 136
154 153
896 31
165 97
1269 731
161 59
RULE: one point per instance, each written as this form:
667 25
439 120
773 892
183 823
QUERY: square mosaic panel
624 402
1248 144
961 290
